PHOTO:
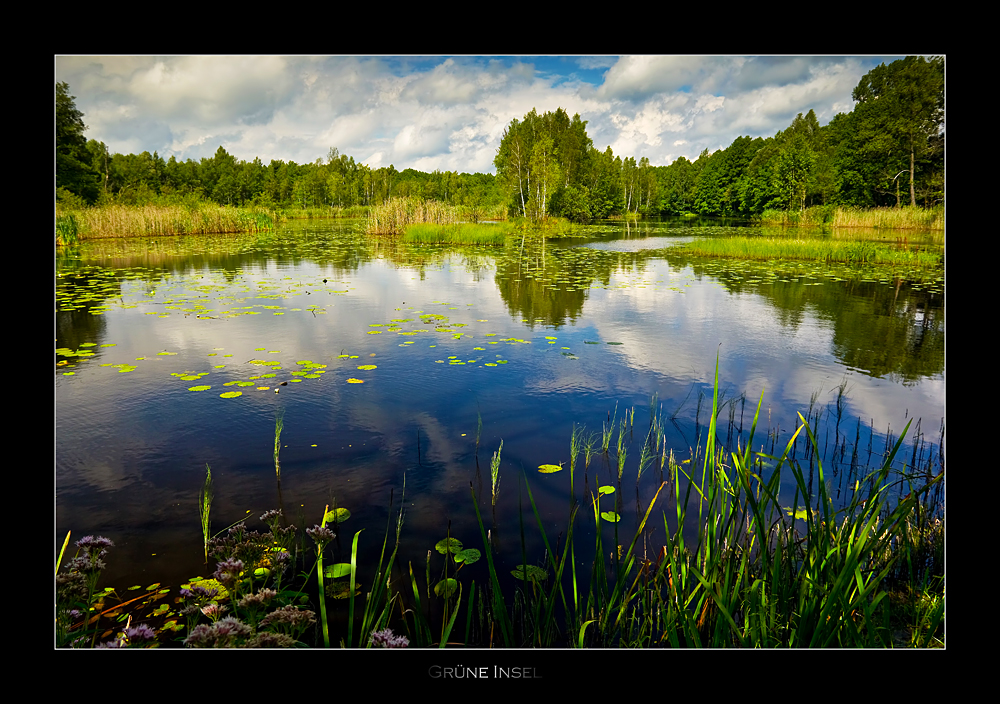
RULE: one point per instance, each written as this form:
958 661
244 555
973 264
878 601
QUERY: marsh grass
755 575
495 473
902 218
332 211
67 231
822 250
495 234
205 508
168 220
392 217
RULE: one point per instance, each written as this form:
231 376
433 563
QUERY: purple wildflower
387 639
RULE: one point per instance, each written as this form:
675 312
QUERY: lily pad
337 515
230 394
446 587
341 569
366 367
468 556
534 572
610 516
606 490
549 468
349 381
453 545
199 388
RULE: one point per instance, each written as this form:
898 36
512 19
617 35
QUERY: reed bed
460 233
903 218
168 220
906 218
392 217
333 211
823 250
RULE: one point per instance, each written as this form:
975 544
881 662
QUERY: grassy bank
904 218
751 570
160 220
823 250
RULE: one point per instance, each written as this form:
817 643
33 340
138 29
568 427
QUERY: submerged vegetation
736 566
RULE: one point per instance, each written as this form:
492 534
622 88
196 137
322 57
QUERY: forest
888 151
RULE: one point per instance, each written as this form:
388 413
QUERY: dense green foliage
893 141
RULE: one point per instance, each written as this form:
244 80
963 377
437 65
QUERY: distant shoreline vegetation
902 218
846 251
159 220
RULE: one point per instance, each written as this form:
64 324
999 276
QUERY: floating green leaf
468 556
230 394
446 587
534 572
337 515
549 468
606 490
199 388
610 516
447 545
366 367
341 569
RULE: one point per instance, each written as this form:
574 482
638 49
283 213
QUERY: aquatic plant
495 472
205 508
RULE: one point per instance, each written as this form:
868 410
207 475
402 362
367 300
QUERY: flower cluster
322 535
387 639
228 632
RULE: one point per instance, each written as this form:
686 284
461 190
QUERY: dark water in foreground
532 343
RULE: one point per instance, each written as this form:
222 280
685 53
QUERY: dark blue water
576 332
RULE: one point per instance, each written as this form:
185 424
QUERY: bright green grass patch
493 234
852 252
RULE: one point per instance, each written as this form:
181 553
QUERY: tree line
888 151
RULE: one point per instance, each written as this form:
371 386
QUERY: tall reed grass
903 218
167 220
392 217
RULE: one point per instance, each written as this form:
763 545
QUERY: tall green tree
901 110
73 161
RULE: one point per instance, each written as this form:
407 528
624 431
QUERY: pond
393 365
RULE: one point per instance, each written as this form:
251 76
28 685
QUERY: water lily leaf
468 556
341 569
616 343
453 545
606 490
610 516
366 367
231 394
534 572
800 514
337 515
349 381
549 468
446 587
199 388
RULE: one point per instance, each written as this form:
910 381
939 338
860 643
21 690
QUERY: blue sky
445 112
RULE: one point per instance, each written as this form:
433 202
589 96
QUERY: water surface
532 340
